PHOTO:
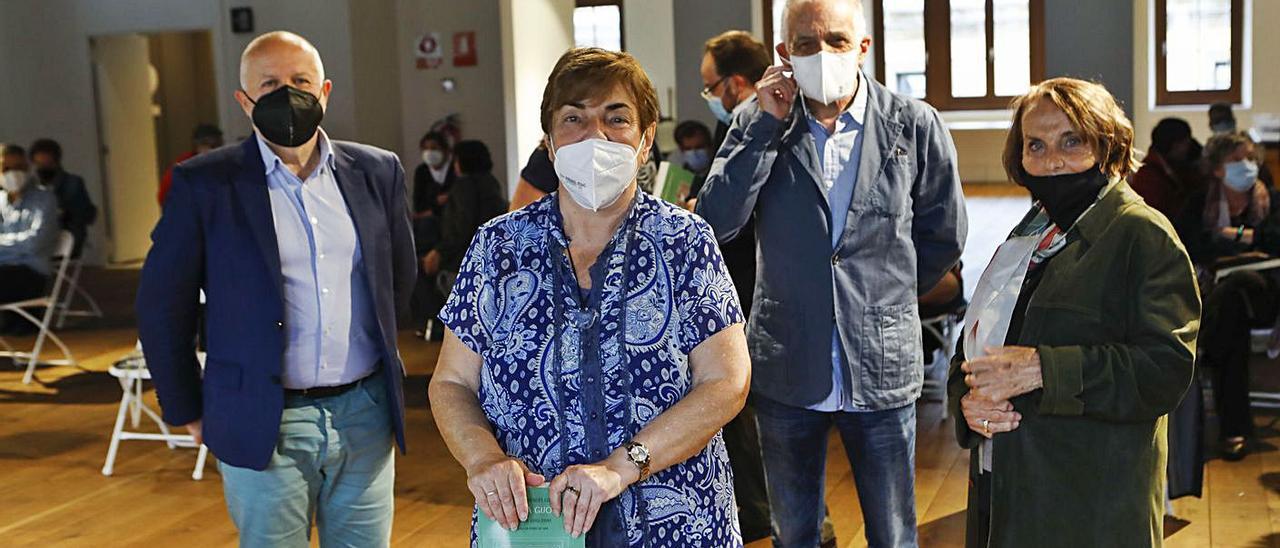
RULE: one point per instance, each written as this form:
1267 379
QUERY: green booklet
543 529
673 183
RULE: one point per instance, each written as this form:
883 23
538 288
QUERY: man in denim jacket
858 210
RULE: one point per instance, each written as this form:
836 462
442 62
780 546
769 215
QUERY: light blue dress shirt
29 229
839 154
331 330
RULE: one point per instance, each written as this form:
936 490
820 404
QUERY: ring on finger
986 426
573 490
490 493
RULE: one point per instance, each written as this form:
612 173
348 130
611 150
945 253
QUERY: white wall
649 27
535 35
376 73
45 43
478 97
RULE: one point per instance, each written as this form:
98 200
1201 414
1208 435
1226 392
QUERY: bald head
278 59
281 57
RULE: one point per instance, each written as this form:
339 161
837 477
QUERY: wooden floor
54 434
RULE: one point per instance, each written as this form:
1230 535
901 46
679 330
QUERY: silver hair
859 17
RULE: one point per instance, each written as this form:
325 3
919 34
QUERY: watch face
638 453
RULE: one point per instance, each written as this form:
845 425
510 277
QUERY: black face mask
47 173
287 116
1066 196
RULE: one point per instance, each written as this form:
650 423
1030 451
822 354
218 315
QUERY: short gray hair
859 17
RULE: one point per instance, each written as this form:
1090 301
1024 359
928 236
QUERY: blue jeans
881 449
334 462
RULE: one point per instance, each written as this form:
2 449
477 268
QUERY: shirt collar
443 172
270 161
855 113
742 104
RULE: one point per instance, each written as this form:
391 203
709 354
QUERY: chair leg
45 333
109 467
164 428
198 473
137 402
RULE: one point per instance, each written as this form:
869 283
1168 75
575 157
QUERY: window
960 54
955 54
598 23
1199 46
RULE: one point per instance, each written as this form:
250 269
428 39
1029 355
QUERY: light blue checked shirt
29 229
331 336
840 153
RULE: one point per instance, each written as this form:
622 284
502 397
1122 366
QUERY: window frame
1233 94
937 46
622 16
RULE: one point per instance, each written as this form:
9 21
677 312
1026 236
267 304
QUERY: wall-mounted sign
242 20
464 49
429 51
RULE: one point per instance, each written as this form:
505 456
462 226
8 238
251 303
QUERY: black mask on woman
287 116
1066 196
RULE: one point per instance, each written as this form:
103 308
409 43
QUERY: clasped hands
1003 373
576 494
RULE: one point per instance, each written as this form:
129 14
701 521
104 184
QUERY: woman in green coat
1079 340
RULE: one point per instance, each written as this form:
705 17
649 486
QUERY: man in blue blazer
858 210
303 248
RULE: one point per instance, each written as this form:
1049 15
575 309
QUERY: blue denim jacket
905 228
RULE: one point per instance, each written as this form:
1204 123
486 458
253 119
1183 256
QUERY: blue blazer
217 234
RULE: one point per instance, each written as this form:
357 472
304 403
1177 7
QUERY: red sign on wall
464 49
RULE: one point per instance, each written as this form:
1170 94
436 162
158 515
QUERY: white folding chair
942 328
25 310
131 372
72 290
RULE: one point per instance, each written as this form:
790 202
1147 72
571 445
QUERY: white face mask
433 158
14 181
595 172
825 76
1241 175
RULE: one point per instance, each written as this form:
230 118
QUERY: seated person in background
1223 121
538 177
1239 225
78 211
694 140
205 138
476 197
434 176
947 297
1170 171
28 232
432 181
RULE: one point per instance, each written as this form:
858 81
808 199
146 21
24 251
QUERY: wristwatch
638 454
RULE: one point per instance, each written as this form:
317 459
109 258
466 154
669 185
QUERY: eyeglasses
707 91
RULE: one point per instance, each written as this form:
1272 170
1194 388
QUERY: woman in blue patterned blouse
595 339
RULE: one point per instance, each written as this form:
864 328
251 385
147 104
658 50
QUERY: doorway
152 90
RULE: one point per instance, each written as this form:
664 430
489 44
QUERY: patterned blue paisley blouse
559 384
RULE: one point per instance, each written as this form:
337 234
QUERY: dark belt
323 391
